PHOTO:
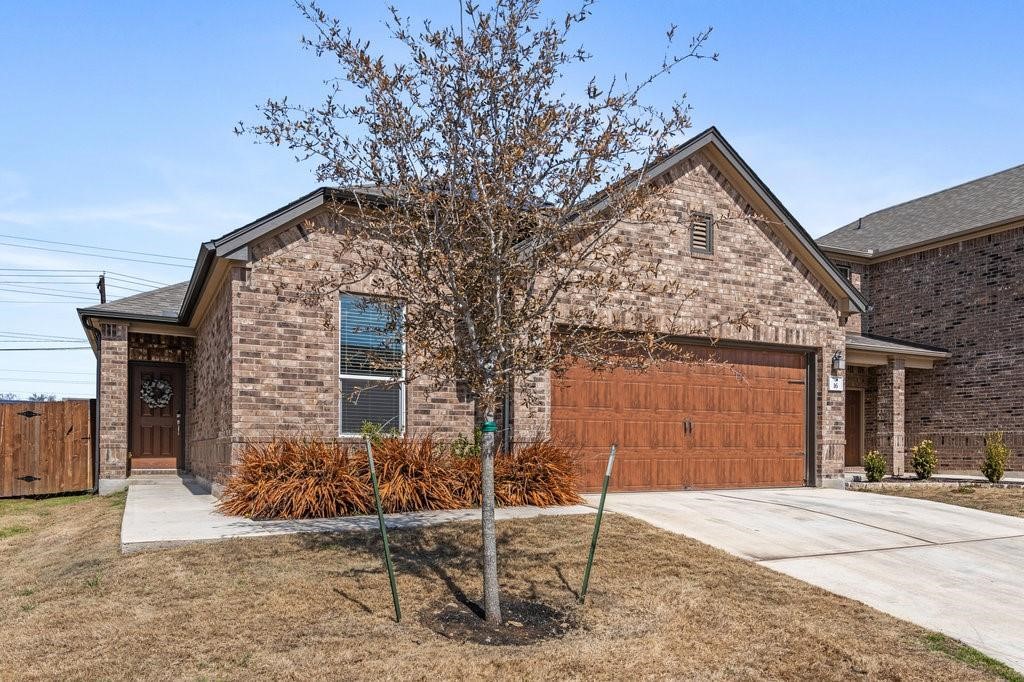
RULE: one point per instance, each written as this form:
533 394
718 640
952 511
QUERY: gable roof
158 305
978 204
712 137
177 303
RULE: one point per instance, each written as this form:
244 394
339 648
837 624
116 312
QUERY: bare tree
485 196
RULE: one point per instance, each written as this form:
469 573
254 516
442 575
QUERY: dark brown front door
155 421
687 425
854 429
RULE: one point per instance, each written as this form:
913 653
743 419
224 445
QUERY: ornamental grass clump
996 453
294 478
924 461
539 474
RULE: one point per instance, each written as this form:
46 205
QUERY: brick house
191 372
943 272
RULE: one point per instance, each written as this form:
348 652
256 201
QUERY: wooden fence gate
46 447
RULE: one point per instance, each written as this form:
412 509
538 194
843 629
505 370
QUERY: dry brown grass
294 478
1009 501
318 607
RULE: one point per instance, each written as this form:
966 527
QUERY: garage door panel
683 426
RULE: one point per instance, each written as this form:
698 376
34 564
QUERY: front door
854 428
156 406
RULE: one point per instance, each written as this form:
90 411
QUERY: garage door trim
802 366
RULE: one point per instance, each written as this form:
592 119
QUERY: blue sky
116 124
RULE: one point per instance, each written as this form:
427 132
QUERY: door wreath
156 393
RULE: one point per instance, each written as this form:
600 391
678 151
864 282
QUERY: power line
127 288
61 282
20 282
79 297
88 274
43 371
42 273
7 350
22 340
94 248
39 292
25 380
39 336
140 279
96 255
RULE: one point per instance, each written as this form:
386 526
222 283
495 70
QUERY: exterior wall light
838 362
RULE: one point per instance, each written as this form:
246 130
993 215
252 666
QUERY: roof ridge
935 193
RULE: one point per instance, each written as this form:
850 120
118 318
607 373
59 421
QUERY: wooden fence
46 447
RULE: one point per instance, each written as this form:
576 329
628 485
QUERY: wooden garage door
739 423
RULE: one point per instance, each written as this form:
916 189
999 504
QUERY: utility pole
102 286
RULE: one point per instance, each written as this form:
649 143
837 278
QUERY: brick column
832 420
113 405
891 421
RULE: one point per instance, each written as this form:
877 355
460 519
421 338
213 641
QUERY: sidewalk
167 511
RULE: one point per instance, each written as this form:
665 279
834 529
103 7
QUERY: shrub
924 462
297 479
540 474
301 478
874 466
996 453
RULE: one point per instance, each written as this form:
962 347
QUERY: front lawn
308 607
1008 501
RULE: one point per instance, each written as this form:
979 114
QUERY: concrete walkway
166 511
955 570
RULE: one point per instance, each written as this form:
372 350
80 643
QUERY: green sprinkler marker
383 532
597 526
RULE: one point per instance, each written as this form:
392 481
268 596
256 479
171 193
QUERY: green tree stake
384 532
597 526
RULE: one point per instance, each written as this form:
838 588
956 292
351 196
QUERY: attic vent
702 234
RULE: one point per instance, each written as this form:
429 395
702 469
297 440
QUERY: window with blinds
371 360
702 234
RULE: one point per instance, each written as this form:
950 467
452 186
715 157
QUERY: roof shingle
979 203
163 303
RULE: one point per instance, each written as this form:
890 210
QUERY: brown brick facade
968 298
752 271
113 403
286 354
209 443
262 361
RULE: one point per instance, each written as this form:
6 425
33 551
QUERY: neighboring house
945 271
231 355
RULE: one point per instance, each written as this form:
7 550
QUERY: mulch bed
525 622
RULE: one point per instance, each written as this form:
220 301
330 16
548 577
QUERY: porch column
113 406
892 379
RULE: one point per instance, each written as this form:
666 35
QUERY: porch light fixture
838 362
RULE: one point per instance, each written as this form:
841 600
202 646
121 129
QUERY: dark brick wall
969 299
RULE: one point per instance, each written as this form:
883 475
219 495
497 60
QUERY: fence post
383 532
597 526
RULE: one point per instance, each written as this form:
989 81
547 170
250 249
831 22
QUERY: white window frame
367 377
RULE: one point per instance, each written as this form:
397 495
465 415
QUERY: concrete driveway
955 570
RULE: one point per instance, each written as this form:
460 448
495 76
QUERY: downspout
96 415
506 419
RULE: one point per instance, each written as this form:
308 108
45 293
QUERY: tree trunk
492 597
